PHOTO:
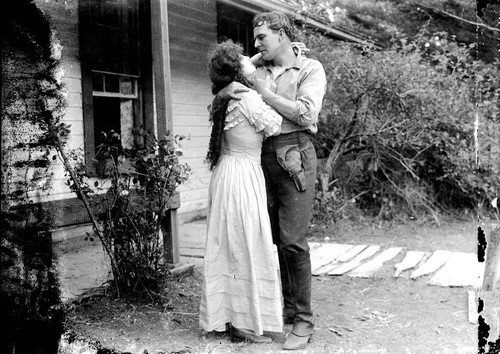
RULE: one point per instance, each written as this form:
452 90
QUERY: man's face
266 41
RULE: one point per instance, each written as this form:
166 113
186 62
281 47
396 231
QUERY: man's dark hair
275 20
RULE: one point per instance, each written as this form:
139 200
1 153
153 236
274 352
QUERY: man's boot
288 301
299 271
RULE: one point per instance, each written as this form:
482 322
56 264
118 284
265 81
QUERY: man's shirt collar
297 63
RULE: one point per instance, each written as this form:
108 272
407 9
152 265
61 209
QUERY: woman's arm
263 117
232 90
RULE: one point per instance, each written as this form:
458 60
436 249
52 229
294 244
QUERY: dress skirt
241 285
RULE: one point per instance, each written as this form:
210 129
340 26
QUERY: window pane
111 12
106 116
113 35
111 83
97 82
127 86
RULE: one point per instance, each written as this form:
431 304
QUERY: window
236 24
114 40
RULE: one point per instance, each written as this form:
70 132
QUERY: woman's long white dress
241 284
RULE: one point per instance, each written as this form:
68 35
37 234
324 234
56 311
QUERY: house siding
64 22
192 29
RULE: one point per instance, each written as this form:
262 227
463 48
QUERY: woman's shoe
242 335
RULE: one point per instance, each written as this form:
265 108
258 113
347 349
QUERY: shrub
412 130
129 217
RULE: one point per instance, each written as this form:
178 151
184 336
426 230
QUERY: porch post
163 105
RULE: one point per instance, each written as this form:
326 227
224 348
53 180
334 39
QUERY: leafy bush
410 131
129 217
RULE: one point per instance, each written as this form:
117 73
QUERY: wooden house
129 62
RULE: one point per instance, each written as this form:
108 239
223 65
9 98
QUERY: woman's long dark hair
224 67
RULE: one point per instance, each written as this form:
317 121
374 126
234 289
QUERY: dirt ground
381 314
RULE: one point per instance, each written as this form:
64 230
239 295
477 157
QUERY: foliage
380 21
399 127
110 146
129 207
32 102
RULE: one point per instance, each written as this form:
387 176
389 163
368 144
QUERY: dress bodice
248 121
242 140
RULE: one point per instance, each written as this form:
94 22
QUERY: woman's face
247 68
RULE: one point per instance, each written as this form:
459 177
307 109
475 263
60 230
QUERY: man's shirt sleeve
310 93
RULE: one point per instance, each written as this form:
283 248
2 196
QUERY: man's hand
231 91
300 47
262 82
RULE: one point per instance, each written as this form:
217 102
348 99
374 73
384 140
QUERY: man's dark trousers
290 211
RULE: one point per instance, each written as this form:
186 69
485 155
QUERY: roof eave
255 6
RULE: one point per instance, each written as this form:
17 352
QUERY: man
298 85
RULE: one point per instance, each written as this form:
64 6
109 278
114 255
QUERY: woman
241 288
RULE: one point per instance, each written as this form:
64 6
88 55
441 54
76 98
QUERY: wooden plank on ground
355 262
411 260
346 257
435 261
372 266
322 255
336 251
461 269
